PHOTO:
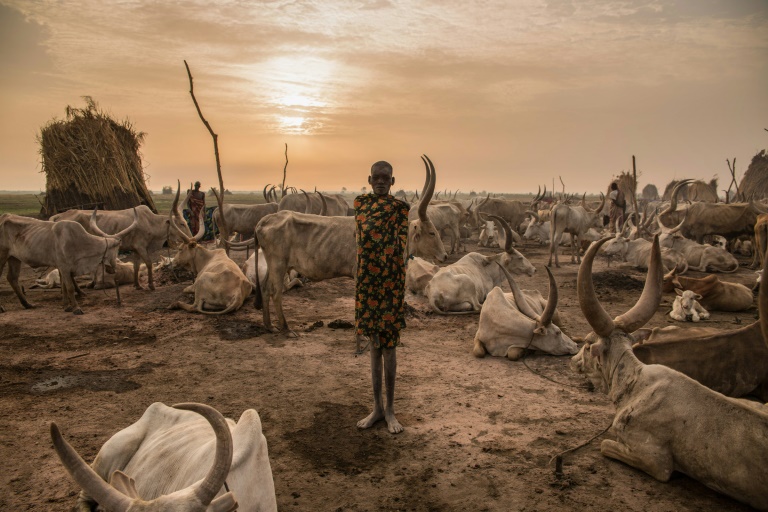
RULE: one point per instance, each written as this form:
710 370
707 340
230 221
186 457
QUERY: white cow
290 280
418 274
463 286
510 323
686 307
177 459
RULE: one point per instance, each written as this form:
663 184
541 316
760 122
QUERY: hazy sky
502 95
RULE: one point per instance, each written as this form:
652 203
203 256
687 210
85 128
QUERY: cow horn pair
673 196
533 215
200 232
671 231
510 235
429 188
522 304
640 313
117 236
115 501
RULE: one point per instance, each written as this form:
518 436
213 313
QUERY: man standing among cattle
381 233
618 205
196 204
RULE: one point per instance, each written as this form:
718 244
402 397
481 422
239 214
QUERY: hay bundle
90 160
754 184
695 191
627 185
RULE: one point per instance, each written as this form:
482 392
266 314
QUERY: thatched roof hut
650 192
91 160
694 191
754 184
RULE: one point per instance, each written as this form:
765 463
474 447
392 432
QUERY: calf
666 421
716 295
686 307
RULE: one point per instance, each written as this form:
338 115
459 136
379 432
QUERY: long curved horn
95 227
533 214
487 198
200 226
130 228
175 205
106 495
584 202
273 194
538 196
673 197
308 207
182 235
429 188
264 192
324 208
520 300
507 232
454 194
209 487
650 299
549 310
671 231
593 312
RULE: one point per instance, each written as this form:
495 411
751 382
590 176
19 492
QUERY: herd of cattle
676 390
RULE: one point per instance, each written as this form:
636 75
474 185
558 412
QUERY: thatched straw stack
650 192
90 160
695 191
754 184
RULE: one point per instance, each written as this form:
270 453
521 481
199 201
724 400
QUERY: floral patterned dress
381 234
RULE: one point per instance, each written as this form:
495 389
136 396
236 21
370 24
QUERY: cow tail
258 301
232 306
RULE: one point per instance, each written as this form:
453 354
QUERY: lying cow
716 295
418 274
462 286
291 279
219 285
665 421
734 363
638 253
686 307
704 258
123 275
51 280
187 458
510 323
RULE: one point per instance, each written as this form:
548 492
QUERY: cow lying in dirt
664 420
686 307
418 274
220 284
188 458
716 295
510 323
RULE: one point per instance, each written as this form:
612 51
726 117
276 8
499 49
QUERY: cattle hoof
151 287
291 334
27 305
78 311
69 309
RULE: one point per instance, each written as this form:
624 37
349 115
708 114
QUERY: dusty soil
480 433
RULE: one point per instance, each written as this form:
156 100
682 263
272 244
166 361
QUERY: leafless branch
285 169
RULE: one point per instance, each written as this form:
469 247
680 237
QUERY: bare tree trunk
285 169
223 228
634 190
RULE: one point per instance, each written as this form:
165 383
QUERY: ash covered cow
511 323
177 459
64 245
220 286
146 240
663 418
418 274
463 286
701 257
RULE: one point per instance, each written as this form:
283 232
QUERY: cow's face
425 241
516 263
687 302
109 260
588 361
536 230
186 255
617 246
554 341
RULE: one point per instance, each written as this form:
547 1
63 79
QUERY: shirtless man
381 234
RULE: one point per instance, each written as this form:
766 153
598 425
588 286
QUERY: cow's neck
201 259
620 369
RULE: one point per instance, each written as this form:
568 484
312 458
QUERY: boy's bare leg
376 371
390 370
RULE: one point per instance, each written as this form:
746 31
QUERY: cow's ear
486 261
597 350
124 484
224 503
697 296
540 330
679 291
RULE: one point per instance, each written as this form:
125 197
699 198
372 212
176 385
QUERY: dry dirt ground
480 433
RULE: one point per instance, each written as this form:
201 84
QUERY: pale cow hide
686 307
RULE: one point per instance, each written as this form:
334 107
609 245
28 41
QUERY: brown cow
716 295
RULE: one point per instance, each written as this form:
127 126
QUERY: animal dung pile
617 280
166 275
91 160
